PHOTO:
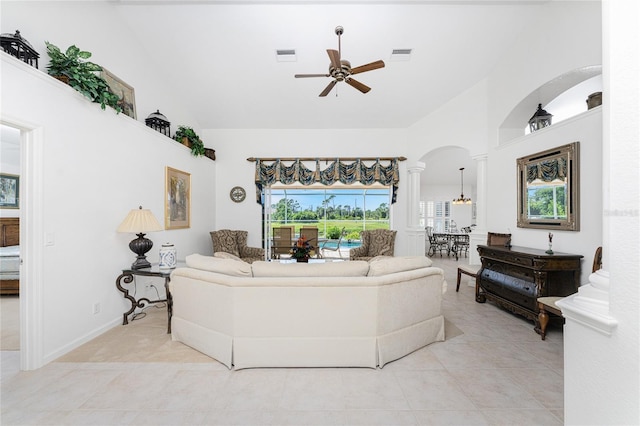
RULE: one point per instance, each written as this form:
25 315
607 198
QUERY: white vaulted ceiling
221 56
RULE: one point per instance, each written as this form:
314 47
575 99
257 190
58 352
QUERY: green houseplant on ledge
187 136
73 68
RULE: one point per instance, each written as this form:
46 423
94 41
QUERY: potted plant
187 136
73 68
301 250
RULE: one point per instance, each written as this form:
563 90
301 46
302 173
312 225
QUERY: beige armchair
235 243
378 242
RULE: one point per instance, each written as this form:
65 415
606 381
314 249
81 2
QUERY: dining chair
281 241
460 245
471 270
324 246
436 243
497 239
311 236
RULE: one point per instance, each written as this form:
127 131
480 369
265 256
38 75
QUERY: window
330 209
438 215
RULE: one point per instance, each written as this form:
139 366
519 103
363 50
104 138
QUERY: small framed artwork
123 90
177 211
9 191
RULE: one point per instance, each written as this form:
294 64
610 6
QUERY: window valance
548 170
271 171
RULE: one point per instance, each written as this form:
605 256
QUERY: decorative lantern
540 119
19 47
158 122
594 100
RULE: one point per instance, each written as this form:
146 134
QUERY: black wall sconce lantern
16 45
540 119
158 122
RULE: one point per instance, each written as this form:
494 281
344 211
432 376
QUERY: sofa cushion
225 255
236 268
329 269
384 265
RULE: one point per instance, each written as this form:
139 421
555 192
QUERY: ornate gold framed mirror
549 188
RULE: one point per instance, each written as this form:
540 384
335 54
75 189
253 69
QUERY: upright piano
514 277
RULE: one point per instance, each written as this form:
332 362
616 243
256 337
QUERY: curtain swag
336 171
548 170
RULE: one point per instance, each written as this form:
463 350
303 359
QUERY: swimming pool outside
343 244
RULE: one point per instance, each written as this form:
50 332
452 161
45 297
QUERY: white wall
602 372
96 27
502 197
461 122
95 167
96 162
471 121
540 55
233 147
567 37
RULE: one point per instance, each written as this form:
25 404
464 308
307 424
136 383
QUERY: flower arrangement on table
302 250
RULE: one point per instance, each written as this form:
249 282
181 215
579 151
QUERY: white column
479 234
415 232
601 341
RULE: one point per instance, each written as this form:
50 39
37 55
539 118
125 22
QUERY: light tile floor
498 372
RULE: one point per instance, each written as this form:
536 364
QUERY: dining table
456 242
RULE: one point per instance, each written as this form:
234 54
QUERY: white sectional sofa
334 314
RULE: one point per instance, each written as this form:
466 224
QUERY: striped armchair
378 242
235 243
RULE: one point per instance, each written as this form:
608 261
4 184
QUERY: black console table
127 277
514 277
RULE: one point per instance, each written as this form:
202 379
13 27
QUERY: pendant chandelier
462 200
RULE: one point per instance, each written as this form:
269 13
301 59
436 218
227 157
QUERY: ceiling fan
340 69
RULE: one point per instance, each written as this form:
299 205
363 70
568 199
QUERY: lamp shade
140 220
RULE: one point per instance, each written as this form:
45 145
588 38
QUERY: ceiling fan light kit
340 69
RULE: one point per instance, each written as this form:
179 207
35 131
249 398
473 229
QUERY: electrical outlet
96 308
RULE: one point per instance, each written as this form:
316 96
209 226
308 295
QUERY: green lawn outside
351 227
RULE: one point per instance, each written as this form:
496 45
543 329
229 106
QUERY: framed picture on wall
124 92
9 191
177 211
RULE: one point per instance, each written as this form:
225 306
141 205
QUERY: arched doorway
440 184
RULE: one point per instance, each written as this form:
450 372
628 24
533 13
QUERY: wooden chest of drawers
514 277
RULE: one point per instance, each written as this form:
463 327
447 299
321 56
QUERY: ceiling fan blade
368 67
327 89
334 55
311 75
355 83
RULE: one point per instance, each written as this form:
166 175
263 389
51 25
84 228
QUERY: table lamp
139 221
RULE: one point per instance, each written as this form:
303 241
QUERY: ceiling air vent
286 55
401 54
